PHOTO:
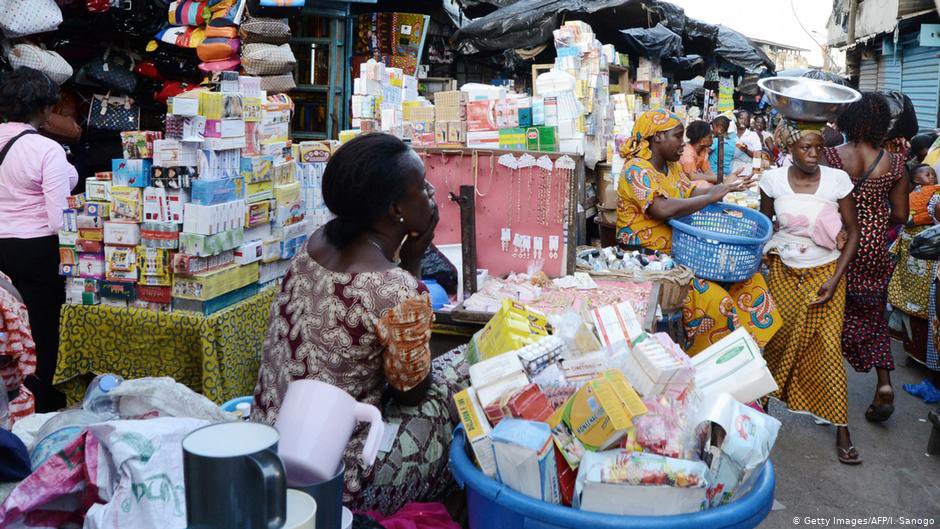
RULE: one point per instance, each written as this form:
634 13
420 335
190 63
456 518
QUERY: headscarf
789 131
651 122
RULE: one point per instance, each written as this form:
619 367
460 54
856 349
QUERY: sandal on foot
848 456
880 412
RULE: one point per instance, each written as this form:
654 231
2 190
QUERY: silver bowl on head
805 99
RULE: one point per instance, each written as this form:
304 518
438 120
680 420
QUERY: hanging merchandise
725 95
114 70
97 6
278 83
174 62
224 65
189 13
268 59
218 49
39 58
261 30
565 167
116 113
544 192
182 36
19 18
139 18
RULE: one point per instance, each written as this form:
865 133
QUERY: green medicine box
542 139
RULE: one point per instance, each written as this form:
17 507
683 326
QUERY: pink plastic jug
316 421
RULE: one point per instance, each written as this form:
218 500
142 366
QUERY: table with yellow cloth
216 355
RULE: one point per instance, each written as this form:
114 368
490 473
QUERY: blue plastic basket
492 505
721 242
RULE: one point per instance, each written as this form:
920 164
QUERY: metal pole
468 238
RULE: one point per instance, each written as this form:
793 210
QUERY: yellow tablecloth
217 356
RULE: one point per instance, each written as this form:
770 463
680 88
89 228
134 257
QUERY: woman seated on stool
653 190
349 315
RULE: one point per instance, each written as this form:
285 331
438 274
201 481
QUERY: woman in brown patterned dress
881 189
349 315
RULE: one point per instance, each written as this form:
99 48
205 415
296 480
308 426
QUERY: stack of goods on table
202 215
595 412
582 59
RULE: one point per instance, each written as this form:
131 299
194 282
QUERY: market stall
215 355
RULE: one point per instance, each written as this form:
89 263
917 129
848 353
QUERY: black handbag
115 113
177 64
139 18
114 70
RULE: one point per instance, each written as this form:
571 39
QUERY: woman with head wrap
880 180
812 205
652 190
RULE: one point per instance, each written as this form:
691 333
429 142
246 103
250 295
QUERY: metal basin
805 99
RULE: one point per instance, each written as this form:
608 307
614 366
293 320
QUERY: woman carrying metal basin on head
652 190
808 260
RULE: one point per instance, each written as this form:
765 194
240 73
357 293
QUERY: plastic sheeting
653 43
684 68
903 122
525 24
813 74
737 50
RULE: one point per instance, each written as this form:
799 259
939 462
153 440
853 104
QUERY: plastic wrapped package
570 327
668 428
149 397
737 440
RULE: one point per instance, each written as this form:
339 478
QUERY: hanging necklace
545 189
525 161
476 171
565 166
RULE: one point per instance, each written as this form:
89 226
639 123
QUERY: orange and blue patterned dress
711 311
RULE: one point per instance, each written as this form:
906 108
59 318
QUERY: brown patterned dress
865 340
361 332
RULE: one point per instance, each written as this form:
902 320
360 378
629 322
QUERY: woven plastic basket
721 242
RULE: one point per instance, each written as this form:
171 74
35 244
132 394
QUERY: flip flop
848 456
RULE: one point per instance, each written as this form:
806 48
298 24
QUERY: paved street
896 479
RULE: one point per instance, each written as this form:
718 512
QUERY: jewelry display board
526 205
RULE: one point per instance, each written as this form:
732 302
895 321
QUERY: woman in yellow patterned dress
652 190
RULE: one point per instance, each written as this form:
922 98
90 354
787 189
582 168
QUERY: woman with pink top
35 182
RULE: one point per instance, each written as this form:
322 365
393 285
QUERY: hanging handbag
32 56
139 18
113 70
268 59
278 83
264 30
116 113
189 13
175 63
19 18
97 6
225 65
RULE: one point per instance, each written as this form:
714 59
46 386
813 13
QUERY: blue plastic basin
495 506
230 405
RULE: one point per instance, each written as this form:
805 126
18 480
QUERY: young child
924 179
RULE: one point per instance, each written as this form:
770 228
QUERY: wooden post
468 238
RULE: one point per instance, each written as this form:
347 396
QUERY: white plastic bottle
97 399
